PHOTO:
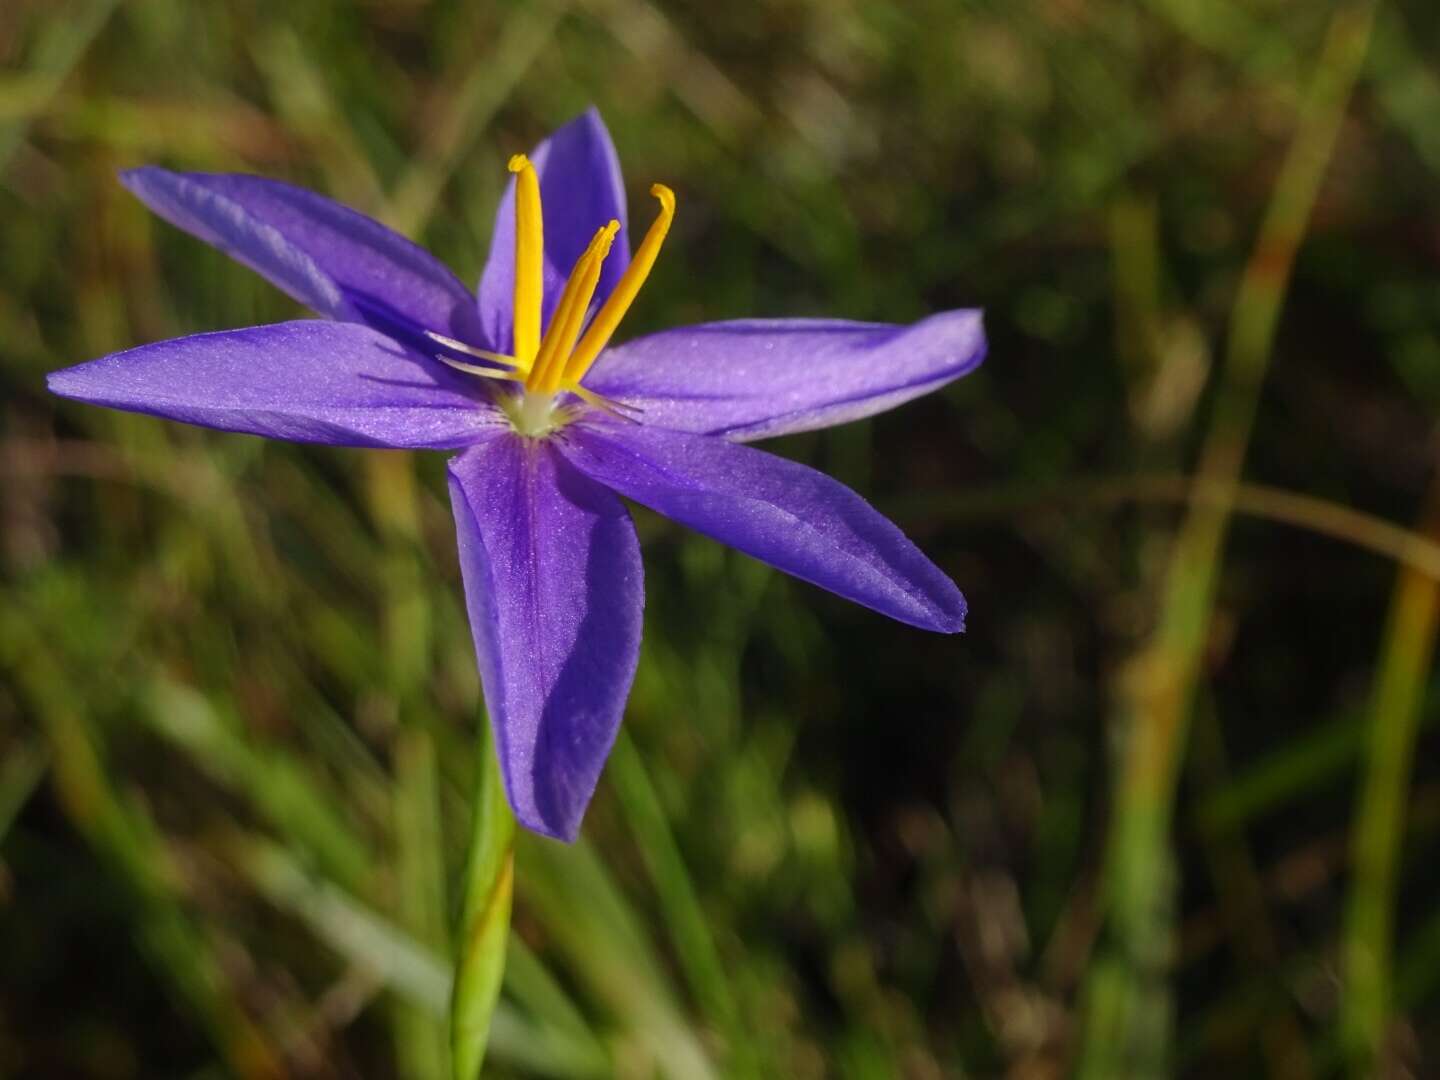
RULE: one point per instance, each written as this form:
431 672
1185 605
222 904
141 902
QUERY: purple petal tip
952 622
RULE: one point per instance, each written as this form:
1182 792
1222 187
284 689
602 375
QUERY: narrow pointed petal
554 588
783 513
754 378
333 259
580 190
308 381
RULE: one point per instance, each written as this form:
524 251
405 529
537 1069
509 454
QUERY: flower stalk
485 922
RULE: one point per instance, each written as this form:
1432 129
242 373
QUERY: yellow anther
548 370
529 260
619 301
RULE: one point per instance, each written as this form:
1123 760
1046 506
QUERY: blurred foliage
237 695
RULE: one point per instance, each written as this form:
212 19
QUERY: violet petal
555 591
329 257
309 381
753 378
781 512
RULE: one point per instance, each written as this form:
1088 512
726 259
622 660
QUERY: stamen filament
529 260
604 404
548 370
476 369
471 350
608 319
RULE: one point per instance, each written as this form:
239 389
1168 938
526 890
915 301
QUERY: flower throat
557 360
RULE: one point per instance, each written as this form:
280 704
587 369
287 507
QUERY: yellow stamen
529 260
614 309
548 370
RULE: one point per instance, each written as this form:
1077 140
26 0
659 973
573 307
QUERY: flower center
533 413
555 362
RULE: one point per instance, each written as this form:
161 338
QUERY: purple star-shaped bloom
548 552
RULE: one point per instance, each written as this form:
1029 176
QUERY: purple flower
552 422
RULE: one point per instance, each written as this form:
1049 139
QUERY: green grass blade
1324 517
408 967
283 790
1127 1023
590 920
62 45
1295 770
344 923
684 919
469 105
421 1041
21 774
1246 915
297 84
1407 658
126 838
529 983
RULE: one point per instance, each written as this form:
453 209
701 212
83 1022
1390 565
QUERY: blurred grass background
1169 807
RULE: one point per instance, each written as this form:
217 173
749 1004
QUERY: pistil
533 413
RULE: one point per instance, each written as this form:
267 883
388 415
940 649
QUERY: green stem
485 927
1395 714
